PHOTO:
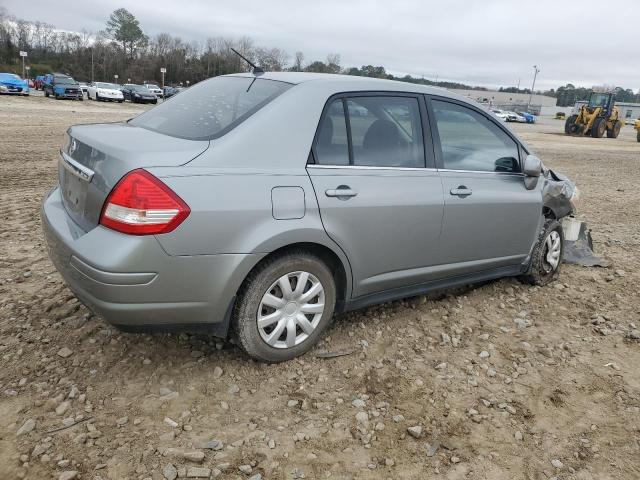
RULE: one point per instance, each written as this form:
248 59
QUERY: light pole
536 71
23 55
163 71
91 64
116 77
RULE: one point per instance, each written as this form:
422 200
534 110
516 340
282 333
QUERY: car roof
355 83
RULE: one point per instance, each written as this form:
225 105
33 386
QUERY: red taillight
140 204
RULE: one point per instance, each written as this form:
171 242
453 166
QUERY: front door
490 218
378 200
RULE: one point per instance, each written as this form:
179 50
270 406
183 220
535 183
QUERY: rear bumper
132 282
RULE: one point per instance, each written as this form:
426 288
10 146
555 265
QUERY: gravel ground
499 381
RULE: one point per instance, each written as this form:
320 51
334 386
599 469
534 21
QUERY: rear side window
470 141
332 146
211 108
380 131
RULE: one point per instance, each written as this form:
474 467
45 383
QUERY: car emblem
73 146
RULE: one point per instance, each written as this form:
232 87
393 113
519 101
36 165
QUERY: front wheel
570 125
284 307
598 128
547 255
615 131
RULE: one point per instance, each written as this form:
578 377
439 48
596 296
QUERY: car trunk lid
95 157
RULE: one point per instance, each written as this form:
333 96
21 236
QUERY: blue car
10 83
530 118
59 85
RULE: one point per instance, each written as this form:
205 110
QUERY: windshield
138 88
109 86
65 81
598 100
211 108
149 85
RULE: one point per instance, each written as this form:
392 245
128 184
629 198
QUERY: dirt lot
506 381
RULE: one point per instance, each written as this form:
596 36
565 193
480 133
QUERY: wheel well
548 213
326 255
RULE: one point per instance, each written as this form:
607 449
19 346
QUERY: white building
537 104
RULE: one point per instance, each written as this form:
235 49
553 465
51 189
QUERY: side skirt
441 284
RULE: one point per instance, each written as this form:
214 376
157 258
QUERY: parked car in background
514 117
84 86
103 91
138 94
61 86
153 88
170 92
502 115
195 215
529 117
10 83
39 82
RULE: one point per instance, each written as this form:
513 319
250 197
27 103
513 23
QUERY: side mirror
532 170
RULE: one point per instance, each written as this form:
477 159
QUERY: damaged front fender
559 194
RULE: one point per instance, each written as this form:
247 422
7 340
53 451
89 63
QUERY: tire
598 128
97 97
638 137
615 131
541 271
120 101
569 124
266 279
46 93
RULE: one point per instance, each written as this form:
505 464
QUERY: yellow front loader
637 127
595 118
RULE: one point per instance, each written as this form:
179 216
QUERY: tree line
123 49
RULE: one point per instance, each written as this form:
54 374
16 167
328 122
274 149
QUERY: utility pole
536 71
163 71
91 64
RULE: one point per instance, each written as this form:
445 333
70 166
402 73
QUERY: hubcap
553 250
290 309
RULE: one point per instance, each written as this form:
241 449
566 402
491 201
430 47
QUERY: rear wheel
615 131
547 254
284 307
598 128
569 125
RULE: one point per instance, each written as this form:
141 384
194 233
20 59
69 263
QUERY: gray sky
479 42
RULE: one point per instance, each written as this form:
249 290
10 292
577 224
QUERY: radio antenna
255 69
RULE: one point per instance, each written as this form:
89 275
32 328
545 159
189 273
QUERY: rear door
490 218
379 194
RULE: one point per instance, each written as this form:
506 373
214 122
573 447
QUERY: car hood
13 82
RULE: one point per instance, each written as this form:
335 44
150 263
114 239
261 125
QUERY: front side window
211 108
470 141
380 131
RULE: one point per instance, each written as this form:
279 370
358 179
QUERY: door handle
461 191
342 192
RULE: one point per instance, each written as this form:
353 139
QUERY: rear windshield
211 108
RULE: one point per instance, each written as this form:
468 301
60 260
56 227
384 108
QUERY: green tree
124 29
